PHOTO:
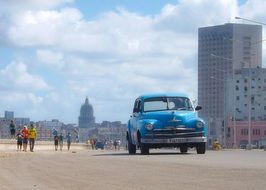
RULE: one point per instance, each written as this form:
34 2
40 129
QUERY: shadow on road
138 154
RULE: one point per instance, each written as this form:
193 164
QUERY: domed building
86 118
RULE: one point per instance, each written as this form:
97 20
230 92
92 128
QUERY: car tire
183 149
201 148
131 148
144 149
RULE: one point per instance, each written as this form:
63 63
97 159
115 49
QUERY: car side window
137 106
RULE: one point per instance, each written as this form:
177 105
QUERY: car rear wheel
183 149
201 148
131 148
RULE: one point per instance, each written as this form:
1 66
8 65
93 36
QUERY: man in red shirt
25 135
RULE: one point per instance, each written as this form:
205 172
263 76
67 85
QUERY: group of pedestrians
59 140
26 136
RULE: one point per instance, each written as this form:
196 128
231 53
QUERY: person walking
32 136
92 144
19 141
115 144
61 141
56 139
55 133
68 138
118 144
12 128
25 135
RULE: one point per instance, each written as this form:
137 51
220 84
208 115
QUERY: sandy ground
110 170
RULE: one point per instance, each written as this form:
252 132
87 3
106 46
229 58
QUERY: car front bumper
173 140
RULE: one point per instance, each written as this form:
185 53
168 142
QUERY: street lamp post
249 93
233 78
249 116
249 102
224 119
249 108
249 20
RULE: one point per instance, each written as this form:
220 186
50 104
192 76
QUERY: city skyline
55 53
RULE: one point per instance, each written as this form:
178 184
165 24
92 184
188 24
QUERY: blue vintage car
165 120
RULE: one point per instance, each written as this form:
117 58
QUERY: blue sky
148 7
54 53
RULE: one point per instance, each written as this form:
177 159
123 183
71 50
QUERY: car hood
171 117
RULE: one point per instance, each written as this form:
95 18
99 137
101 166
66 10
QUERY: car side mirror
198 108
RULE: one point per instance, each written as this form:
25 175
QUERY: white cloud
33 28
187 16
114 57
50 58
18 5
25 104
15 76
121 32
253 9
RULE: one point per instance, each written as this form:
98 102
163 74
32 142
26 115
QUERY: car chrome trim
175 129
175 120
172 135
173 140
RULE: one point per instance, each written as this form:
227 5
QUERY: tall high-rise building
222 50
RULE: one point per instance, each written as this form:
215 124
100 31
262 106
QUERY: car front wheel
201 148
183 149
144 149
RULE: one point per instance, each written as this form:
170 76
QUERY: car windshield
167 103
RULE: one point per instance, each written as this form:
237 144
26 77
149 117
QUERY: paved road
162 170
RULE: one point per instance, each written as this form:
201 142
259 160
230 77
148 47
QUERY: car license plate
179 140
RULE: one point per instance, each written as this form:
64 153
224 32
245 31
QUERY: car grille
174 133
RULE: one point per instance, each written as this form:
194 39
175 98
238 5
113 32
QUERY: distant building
4 128
88 129
53 124
22 121
45 129
258 133
5 121
86 118
86 121
44 133
242 96
9 115
109 131
222 50
246 100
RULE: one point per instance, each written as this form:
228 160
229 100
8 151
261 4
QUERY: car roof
154 95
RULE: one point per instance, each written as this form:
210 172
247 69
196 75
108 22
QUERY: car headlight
149 126
199 124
